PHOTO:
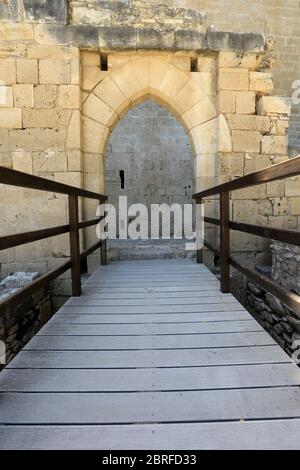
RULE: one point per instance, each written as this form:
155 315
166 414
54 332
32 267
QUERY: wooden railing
277 172
77 262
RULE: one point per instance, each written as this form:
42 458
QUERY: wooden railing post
103 252
199 252
74 245
224 242
103 248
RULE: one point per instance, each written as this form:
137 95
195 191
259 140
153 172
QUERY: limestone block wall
39 134
279 19
61 132
258 126
139 13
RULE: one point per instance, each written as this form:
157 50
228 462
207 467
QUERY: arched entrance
190 97
149 160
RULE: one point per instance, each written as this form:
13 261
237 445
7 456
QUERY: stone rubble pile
282 322
19 325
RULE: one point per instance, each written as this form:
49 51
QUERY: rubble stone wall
286 265
282 322
19 325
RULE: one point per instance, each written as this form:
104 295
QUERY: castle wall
68 79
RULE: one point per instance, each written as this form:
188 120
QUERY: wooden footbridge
152 354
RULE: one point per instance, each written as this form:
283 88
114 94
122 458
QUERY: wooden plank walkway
152 356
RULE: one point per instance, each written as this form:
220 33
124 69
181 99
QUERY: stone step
138 251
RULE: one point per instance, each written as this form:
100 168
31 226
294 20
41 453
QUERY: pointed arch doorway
190 96
149 159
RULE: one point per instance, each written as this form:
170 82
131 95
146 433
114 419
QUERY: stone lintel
229 41
131 38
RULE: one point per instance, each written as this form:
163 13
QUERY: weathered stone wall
31 11
286 265
137 13
282 322
258 126
234 130
277 18
39 134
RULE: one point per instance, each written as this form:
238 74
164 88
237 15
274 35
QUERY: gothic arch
189 96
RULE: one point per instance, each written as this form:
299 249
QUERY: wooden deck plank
199 295
149 407
145 358
156 282
154 289
142 277
100 274
226 340
136 276
155 271
240 435
151 342
148 329
98 301
176 379
149 318
96 309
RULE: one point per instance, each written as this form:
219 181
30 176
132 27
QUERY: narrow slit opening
103 61
194 64
122 178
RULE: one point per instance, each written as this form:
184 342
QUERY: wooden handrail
25 180
11 241
88 223
14 300
289 298
17 178
277 172
279 234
